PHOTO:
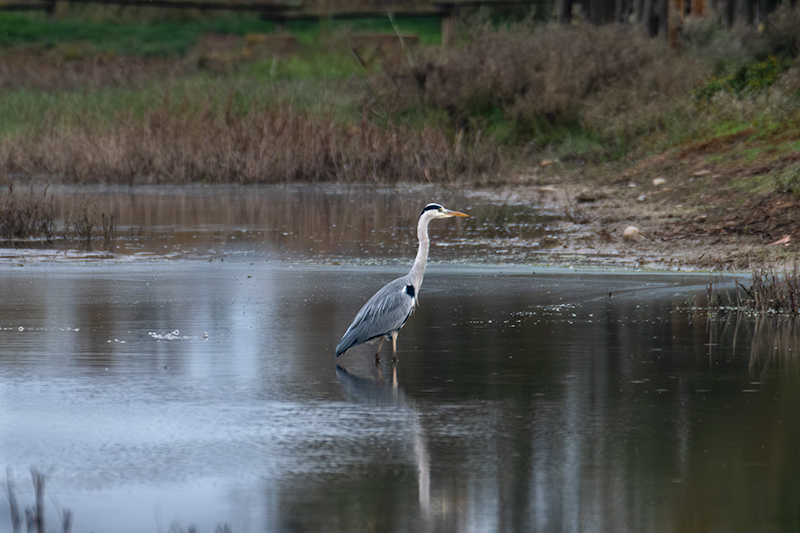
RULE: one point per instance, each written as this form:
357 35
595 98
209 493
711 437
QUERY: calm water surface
198 385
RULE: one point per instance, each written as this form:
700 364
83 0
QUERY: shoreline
584 224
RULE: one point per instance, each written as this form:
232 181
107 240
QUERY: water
198 385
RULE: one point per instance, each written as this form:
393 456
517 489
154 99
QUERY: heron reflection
377 390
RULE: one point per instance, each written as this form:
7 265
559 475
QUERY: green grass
25 110
308 32
153 39
753 185
173 38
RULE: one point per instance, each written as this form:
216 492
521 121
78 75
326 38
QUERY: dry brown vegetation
30 216
476 106
51 71
613 80
267 145
480 112
25 216
774 291
525 82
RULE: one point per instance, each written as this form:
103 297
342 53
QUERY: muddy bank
656 227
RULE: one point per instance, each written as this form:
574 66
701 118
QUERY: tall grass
253 145
120 119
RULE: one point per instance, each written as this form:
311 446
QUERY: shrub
748 79
543 80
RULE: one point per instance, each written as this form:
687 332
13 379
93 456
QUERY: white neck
418 268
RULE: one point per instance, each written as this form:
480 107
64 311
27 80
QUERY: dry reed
772 291
276 144
775 291
28 217
32 217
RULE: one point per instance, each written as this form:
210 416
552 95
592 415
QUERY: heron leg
394 346
378 353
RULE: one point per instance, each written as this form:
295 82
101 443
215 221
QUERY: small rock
659 181
641 198
548 241
585 197
701 173
631 234
632 185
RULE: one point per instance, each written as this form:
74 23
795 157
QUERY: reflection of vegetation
776 343
34 515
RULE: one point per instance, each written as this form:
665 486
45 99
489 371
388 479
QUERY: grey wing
385 312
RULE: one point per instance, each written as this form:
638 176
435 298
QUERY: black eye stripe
432 206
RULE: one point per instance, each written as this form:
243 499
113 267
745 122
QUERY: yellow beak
456 214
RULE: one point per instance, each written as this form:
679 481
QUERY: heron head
439 211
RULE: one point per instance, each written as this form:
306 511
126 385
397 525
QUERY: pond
188 378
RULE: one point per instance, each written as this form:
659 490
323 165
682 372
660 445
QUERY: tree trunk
449 28
745 11
602 11
624 9
728 12
662 10
698 8
638 11
564 11
650 17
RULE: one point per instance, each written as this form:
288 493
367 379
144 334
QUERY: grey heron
385 313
